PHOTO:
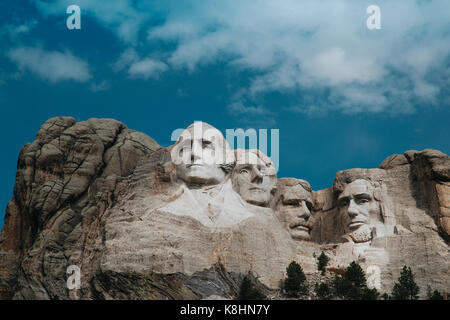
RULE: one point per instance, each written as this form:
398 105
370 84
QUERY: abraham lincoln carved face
359 210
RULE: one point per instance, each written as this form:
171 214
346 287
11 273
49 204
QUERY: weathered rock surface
65 181
96 194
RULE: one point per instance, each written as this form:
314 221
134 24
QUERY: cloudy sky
342 95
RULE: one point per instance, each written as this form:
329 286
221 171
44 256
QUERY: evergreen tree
248 292
355 274
352 284
435 295
369 294
405 288
323 291
322 262
294 284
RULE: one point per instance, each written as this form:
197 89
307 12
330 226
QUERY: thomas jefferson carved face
202 155
254 177
294 209
359 210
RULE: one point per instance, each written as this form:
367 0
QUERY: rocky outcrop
65 181
431 174
110 201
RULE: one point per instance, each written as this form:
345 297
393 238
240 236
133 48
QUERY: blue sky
341 95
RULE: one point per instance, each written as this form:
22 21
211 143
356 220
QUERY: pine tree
369 294
322 262
405 288
355 274
294 284
352 284
323 291
435 295
248 292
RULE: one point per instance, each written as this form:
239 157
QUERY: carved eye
244 171
362 201
206 144
343 203
263 172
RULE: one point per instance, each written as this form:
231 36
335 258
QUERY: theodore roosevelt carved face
202 155
294 207
254 177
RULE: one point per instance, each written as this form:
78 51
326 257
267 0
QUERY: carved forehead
204 131
293 193
357 187
201 130
254 157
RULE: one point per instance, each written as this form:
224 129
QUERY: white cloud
140 68
98 87
333 66
310 110
293 45
255 116
15 30
53 66
119 15
147 68
128 57
238 108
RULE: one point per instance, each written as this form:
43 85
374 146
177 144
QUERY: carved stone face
359 210
200 154
294 210
254 177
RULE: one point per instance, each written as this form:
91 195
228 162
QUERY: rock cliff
140 225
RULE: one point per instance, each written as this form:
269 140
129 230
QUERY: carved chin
299 234
202 174
362 234
256 197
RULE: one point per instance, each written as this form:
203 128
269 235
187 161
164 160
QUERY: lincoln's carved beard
362 234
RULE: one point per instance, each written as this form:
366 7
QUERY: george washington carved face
202 155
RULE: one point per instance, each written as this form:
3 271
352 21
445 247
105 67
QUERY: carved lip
300 226
355 224
255 188
193 164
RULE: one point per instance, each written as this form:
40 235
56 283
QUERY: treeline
348 284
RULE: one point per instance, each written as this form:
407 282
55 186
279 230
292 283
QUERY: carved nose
304 211
196 152
352 209
257 176
194 157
